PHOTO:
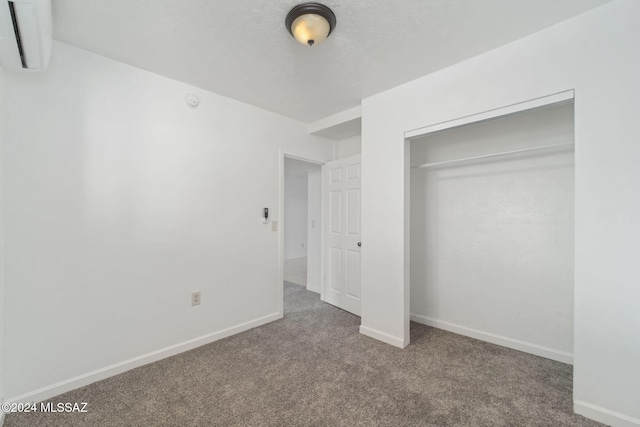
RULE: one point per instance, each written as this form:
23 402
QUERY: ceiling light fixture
310 23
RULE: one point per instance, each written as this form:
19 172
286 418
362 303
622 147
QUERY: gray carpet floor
313 368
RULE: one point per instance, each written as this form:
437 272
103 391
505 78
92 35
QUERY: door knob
359 243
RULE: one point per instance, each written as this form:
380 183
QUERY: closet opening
492 229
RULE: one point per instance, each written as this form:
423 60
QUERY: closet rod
504 153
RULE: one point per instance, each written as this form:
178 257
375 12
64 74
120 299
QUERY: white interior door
342 234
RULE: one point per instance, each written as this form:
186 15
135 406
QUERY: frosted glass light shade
310 29
310 23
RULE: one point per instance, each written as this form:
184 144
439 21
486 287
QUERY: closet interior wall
492 239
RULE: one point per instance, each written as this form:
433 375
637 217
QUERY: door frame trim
531 104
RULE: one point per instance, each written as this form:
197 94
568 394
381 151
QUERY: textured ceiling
240 48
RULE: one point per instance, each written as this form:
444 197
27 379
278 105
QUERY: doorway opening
302 210
320 229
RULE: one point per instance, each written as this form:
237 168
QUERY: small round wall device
192 100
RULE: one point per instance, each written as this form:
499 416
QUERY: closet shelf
565 146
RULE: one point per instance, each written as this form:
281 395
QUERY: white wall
492 240
120 201
596 54
314 234
295 215
348 147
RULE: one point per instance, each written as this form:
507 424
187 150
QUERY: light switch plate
274 225
195 298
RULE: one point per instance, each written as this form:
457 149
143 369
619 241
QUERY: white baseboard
538 350
605 416
313 289
52 390
382 336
